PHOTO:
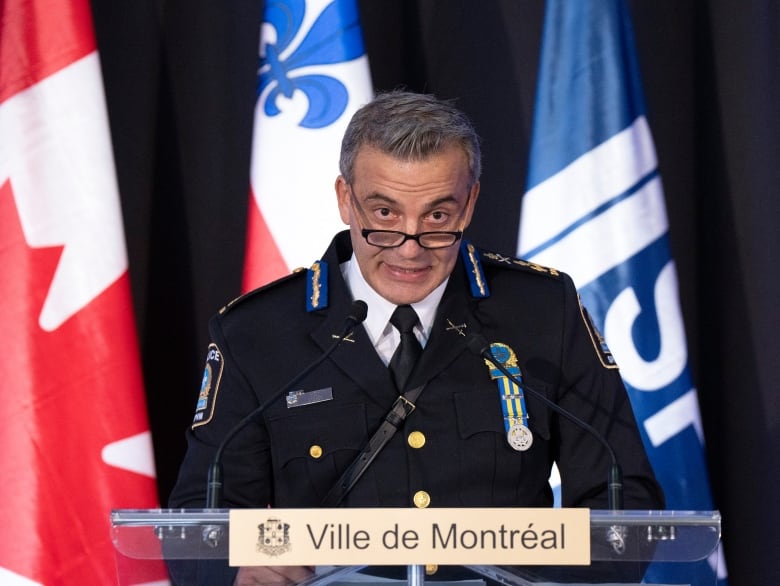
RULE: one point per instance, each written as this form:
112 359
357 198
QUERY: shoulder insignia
599 343
518 263
209 386
317 286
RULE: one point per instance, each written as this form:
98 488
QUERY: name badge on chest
301 398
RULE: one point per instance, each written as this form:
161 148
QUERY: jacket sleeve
591 387
225 398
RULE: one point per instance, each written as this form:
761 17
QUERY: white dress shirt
381 332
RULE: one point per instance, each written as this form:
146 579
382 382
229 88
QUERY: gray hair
409 127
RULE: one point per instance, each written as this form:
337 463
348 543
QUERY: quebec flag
594 207
312 75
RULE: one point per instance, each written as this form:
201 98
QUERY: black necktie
405 356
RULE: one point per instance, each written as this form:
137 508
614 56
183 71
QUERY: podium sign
505 545
383 536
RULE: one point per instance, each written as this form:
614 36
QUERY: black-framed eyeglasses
394 239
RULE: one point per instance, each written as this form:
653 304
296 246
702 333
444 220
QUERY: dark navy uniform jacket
294 455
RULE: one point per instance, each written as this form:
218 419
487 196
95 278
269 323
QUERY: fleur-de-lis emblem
334 37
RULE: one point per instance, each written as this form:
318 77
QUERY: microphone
478 345
357 315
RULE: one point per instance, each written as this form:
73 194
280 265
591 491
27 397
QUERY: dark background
180 85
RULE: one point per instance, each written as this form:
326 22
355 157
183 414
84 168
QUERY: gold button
421 499
315 451
431 569
416 439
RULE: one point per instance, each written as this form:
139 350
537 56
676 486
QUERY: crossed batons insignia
460 329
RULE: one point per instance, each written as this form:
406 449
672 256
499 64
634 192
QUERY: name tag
301 398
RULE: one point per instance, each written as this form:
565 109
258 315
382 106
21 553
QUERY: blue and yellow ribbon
511 395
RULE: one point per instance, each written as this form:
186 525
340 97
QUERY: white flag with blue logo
312 75
594 207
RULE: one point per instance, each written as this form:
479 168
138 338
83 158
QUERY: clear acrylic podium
678 547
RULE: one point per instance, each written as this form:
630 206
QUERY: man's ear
473 195
343 200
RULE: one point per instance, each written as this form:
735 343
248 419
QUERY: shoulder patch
599 343
496 259
209 386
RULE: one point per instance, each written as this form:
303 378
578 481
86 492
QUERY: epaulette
495 258
473 259
231 304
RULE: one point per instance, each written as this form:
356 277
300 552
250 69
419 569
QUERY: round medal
519 437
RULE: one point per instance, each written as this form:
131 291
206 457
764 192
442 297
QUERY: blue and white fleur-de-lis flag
594 207
313 74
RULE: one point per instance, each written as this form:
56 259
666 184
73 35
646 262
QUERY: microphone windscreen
358 311
477 344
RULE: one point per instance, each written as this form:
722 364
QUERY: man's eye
383 212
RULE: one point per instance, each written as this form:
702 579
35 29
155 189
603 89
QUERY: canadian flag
73 425
313 75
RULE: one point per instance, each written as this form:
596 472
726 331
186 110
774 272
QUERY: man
410 167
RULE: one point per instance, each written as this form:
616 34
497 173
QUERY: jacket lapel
454 321
356 356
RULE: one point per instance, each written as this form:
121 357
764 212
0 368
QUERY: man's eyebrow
380 197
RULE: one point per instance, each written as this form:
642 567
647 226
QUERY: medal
518 434
519 437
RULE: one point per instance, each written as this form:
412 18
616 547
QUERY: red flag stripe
263 262
40 38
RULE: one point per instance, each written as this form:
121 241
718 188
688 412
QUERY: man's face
411 197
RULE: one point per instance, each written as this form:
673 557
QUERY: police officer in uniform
409 182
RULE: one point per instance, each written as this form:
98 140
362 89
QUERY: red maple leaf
65 395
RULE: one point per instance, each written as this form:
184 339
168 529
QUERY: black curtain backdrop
180 85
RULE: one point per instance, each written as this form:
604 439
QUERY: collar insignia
460 328
317 286
474 270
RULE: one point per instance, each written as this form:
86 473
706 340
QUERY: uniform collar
380 309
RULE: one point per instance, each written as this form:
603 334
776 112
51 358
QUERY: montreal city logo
273 537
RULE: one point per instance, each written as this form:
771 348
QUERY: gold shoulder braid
519 263
317 286
476 275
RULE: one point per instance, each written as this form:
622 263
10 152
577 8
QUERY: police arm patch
599 343
209 386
